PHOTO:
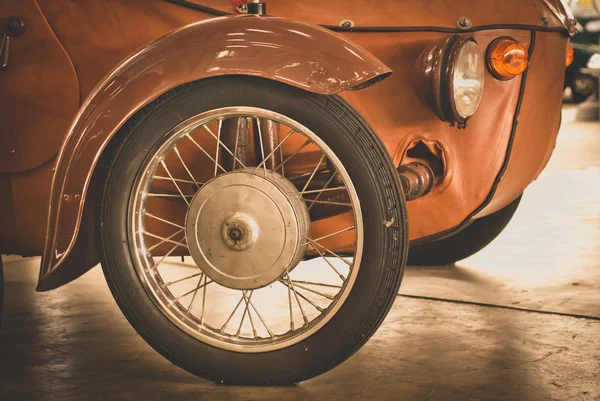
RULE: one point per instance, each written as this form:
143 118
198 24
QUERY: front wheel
289 212
479 234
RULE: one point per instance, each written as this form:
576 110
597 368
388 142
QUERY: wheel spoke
154 195
220 143
296 296
302 296
275 150
299 284
206 153
315 245
189 308
313 173
281 148
182 279
330 265
314 201
324 187
235 149
164 221
289 288
190 291
246 298
165 240
155 266
186 167
261 318
308 141
330 235
317 284
159 177
262 148
314 191
203 300
162 162
218 148
341 247
232 313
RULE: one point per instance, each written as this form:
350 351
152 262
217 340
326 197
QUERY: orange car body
82 69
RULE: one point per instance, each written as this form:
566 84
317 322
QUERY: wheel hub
245 230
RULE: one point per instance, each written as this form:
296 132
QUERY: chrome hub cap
245 230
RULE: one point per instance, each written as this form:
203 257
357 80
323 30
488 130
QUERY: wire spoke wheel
247 226
251 232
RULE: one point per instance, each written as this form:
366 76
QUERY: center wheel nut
239 232
235 234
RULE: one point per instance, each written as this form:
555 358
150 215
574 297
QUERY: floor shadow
453 272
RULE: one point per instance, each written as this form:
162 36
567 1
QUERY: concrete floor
74 344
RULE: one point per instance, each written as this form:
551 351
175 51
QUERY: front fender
295 53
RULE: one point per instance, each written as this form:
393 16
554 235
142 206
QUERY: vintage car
250 176
585 44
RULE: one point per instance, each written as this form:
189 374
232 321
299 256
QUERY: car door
39 92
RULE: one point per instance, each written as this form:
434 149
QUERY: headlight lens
468 76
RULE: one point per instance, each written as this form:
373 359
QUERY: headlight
452 84
468 74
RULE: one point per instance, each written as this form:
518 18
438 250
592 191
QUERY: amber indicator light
507 58
570 54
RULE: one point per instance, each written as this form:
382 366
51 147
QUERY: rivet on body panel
545 21
346 23
242 9
464 23
13 151
66 198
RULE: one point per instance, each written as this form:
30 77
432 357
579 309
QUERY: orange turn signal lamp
570 54
507 58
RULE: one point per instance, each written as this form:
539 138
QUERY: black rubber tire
465 243
385 223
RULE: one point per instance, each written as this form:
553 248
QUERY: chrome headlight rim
435 84
454 53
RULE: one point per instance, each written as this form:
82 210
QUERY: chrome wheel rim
219 303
